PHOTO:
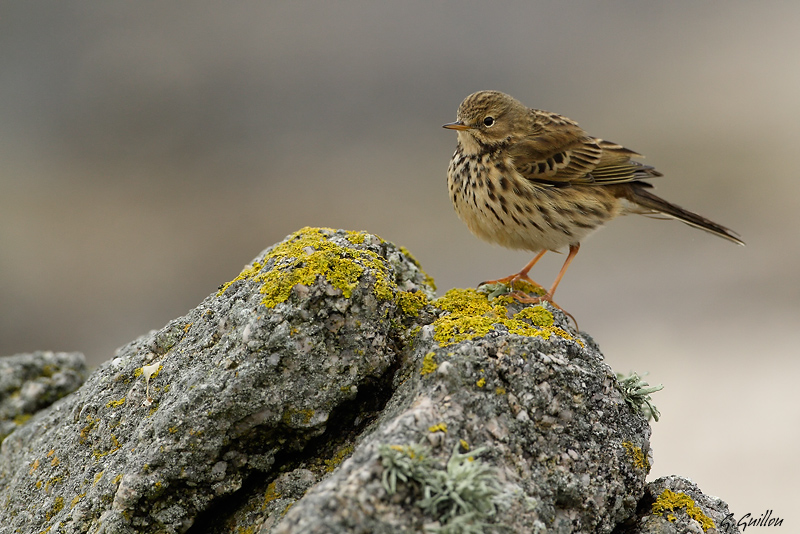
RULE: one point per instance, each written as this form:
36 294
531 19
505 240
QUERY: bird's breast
500 206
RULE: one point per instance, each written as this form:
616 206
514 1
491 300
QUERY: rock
31 382
324 390
675 505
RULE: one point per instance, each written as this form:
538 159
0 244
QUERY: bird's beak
458 125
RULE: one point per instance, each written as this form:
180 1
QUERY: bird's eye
488 121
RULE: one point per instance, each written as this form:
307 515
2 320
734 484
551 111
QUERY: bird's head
488 117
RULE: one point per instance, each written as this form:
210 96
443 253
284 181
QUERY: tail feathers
649 204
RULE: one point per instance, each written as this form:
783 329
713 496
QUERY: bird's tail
653 205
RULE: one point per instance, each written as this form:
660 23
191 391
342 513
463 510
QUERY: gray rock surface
324 390
675 505
31 382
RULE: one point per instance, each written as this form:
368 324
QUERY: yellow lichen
537 315
637 455
292 417
115 403
429 364
472 316
76 500
481 382
500 390
440 427
309 253
464 444
356 238
58 505
411 302
21 419
270 495
669 501
339 457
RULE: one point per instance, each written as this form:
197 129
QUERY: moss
440 427
309 253
637 455
411 302
671 501
429 364
472 316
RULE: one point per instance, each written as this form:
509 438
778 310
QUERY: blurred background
149 150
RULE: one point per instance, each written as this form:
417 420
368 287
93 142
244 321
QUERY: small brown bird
534 180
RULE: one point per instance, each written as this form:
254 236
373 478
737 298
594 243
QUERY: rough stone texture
679 515
275 405
31 382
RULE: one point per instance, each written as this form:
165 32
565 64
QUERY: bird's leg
525 299
522 275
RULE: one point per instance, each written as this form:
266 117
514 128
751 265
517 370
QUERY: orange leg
522 275
522 297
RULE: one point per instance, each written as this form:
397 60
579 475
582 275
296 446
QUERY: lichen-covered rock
675 505
542 408
305 339
31 382
324 390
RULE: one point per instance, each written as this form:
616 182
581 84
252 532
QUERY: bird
534 180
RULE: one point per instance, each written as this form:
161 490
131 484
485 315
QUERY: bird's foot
521 279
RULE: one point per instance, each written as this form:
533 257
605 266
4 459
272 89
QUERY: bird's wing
559 153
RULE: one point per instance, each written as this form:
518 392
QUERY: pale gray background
148 150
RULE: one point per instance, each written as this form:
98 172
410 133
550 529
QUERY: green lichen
637 455
307 254
429 364
472 315
669 501
464 493
636 393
